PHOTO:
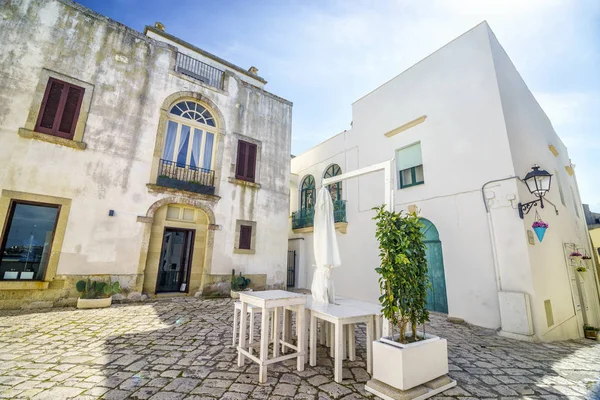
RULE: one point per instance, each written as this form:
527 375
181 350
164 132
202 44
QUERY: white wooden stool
252 310
275 300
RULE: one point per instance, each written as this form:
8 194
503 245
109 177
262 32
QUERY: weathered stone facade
108 172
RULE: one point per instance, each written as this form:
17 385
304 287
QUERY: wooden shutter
246 161
245 237
50 106
60 109
251 162
240 165
70 111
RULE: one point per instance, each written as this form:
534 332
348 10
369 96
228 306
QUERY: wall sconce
538 182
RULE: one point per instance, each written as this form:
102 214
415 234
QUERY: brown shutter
50 106
245 237
251 164
70 112
240 166
60 109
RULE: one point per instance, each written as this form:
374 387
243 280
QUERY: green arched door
436 297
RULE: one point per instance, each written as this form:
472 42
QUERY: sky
325 54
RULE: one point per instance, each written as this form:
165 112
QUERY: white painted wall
530 133
465 144
461 140
121 131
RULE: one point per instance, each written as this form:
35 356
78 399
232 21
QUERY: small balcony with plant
188 149
303 219
185 177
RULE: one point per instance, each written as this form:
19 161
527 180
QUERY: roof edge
203 52
484 22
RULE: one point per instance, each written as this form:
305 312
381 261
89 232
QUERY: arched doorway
436 296
177 249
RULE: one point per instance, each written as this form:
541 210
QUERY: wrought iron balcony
185 177
196 69
304 218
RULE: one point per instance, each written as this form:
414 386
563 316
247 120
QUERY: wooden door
436 296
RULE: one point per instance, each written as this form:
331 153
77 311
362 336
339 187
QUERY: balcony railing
304 218
196 69
185 177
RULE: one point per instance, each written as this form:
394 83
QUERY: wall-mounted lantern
538 182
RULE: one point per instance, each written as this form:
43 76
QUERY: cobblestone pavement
180 349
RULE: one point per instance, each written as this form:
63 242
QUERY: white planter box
94 303
404 366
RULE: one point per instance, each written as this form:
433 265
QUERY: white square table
344 313
277 300
340 315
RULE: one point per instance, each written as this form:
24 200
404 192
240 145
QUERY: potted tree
96 294
238 284
409 357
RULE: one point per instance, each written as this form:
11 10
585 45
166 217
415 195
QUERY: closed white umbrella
327 254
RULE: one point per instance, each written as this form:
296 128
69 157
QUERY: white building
461 124
134 156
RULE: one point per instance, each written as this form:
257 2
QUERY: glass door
175 261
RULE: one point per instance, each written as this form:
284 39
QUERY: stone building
138 157
463 130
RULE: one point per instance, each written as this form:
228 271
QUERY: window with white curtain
190 136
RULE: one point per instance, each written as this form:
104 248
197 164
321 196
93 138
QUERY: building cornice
203 52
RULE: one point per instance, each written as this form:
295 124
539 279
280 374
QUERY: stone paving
180 349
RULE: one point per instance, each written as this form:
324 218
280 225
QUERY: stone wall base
61 292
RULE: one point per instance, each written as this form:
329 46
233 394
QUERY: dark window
245 237
27 243
335 189
246 161
60 109
307 193
411 177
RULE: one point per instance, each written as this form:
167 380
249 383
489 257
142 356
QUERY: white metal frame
386 166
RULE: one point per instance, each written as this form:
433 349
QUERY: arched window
307 193
190 136
335 189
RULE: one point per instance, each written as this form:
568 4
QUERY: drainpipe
491 230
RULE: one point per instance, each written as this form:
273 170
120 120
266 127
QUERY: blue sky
325 54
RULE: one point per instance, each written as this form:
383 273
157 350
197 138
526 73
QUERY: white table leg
338 352
287 327
322 330
276 332
344 341
332 339
272 317
351 343
370 345
235 325
251 334
377 327
307 313
301 333
264 346
327 327
313 340
242 340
